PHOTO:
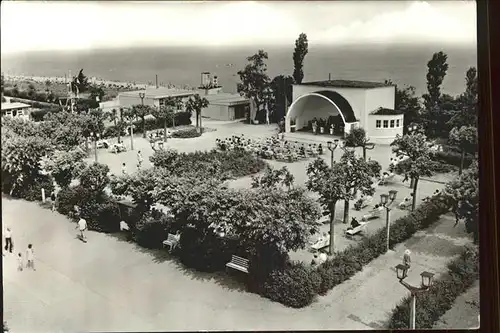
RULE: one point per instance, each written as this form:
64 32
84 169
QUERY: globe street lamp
412 128
331 147
141 96
402 273
385 201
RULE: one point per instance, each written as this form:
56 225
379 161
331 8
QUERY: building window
392 123
386 123
397 122
378 124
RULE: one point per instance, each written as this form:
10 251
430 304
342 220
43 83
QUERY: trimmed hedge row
186 133
287 290
462 272
452 158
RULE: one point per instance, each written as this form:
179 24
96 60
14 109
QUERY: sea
404 64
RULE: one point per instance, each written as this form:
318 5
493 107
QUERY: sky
47 26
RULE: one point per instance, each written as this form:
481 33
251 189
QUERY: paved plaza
109 284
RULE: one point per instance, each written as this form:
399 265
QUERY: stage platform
310 138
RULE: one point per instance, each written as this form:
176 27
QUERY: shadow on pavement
231 282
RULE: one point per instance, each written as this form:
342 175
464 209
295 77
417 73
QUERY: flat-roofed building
17 110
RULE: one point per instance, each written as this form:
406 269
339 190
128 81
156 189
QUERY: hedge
462 272
350 261
181 118
186 133
452 158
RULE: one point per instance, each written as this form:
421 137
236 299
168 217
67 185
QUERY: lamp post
402 271
331 147
95 137
385 201
141 96
412 128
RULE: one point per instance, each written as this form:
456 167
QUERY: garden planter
331 131
255 122
322 130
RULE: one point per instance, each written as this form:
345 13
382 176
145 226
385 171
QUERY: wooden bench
358 229
239 263
171 241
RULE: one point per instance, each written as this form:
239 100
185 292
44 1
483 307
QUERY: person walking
30 257
407 258
8 240
53 200
20 261
124 169
139 160
82 226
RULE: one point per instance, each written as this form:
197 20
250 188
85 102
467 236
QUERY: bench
373 214
358 229
171 241
365 201
239 263
322 243
386 178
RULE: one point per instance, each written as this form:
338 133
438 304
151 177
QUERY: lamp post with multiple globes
402 273
331 147
385 201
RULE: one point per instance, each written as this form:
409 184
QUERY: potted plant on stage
331 129
321 125
315 126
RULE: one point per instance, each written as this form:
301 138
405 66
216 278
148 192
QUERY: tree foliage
419 158
467 112
79 83
64 166
195 104
165 113
274 178
406 102
465 139
281 87
357 138
464 193
141 111
300 52
95 178
254 79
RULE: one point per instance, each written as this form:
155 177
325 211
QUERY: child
20 260
53 200
30 257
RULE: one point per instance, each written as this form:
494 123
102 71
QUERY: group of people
271 148
9 248
140 160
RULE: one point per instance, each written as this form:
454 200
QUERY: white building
222 106
359 104
17 110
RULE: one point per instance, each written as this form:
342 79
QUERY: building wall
129 101
383 135
19 113
217 112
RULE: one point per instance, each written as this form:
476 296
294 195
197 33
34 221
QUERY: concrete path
108 284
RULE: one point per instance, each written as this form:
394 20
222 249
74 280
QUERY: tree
164 113
64 166
21 157
437 68
357 138
254 81
408 103
95 178
300 52
141 111
465 139
281 87
467 102
327 182
79 83
419 163
196 104
464 194
97 93
274 178
357 178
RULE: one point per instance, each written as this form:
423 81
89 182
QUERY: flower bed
462 272
186 133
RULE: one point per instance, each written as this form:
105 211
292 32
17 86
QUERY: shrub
181 118
295 286
106 217
151 230
112 132
452 158
204 250
462 272
186 133
33 190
